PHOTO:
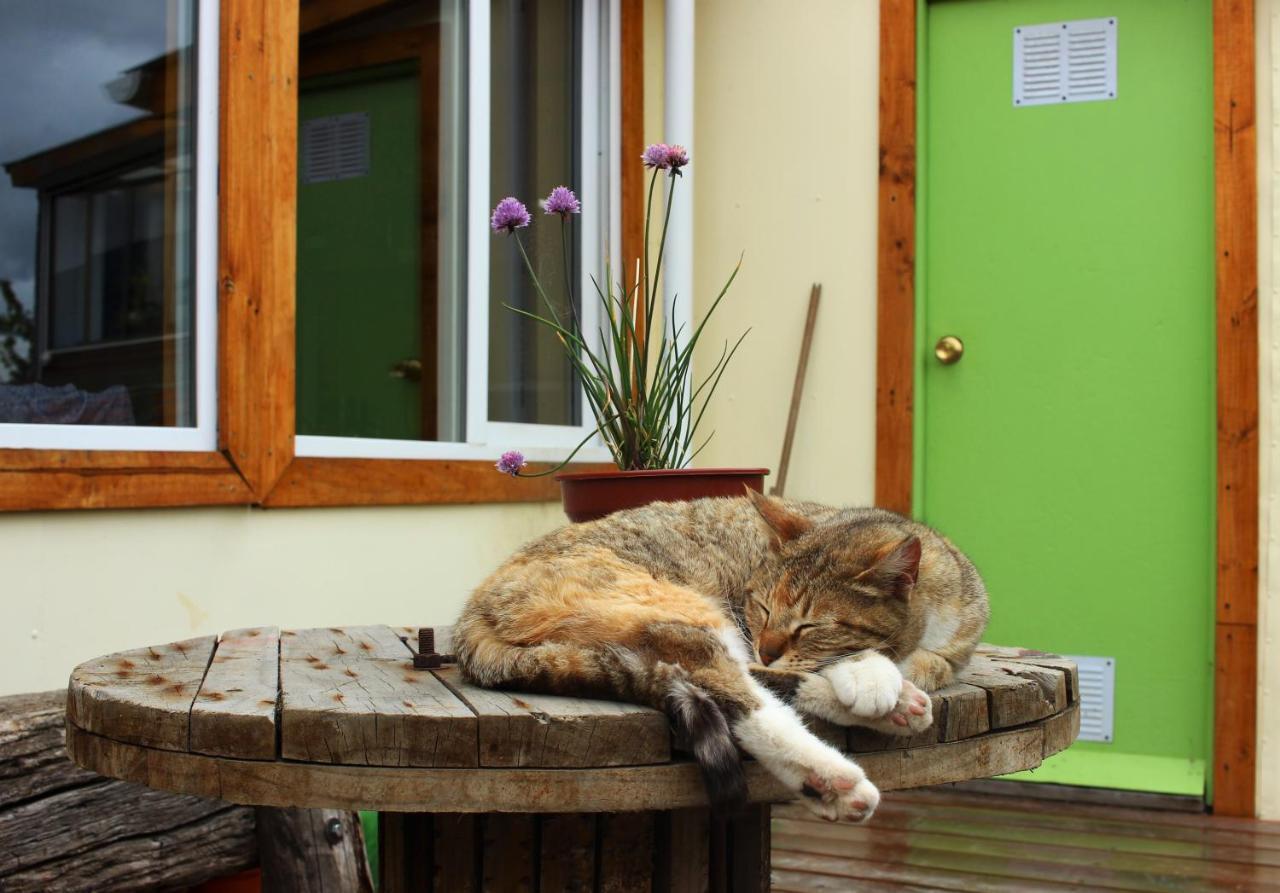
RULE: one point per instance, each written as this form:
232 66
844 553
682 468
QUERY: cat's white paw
911 715
840 793
869 686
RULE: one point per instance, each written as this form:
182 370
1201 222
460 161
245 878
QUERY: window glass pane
536 48
96 212
380 202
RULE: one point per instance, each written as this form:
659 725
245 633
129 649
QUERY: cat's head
833 589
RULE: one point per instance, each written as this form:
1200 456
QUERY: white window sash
599 190
204 436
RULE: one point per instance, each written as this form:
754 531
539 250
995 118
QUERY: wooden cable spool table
482 789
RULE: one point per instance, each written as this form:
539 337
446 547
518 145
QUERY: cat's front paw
840 794
911 715
869 686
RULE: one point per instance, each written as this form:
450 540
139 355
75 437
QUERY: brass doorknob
948 350
409 370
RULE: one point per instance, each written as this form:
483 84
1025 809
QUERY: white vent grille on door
1064 62
335 147
1097 696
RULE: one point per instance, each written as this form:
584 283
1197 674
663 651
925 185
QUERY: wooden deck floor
943 840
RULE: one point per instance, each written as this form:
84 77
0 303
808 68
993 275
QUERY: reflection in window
381 305
533 147
96 212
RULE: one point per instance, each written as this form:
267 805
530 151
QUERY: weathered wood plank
510 857
404 852
114 836
1036 659
967 712
393 850
352 696
626 851
683 857
520 729
324 644
142 696
312 851
456 840
33 759
1052 681
1013 700
419 789
1061 731
234 714
568 858
749 850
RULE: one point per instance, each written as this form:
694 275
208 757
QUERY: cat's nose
768 654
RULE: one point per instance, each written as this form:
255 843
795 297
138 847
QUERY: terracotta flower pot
588 495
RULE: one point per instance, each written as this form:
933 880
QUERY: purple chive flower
509 215
677 157
513 460
562 201
658 155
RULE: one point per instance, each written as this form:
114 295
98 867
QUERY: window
413 121
158 346
107 229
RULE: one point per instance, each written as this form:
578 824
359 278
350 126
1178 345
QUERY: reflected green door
359 307
1071 450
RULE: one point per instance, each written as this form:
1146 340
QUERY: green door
359 242
1071 448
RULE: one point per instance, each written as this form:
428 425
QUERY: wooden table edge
483 790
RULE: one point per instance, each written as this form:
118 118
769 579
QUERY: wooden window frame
255 462
1235 186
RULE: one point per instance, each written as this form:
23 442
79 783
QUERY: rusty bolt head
428 661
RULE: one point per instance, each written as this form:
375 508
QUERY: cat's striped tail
702 724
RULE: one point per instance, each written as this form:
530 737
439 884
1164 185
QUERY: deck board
939 840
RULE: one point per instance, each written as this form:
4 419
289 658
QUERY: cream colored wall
1268 123
80 584
785 156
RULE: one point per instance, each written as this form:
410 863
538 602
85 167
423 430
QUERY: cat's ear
784 524
896 567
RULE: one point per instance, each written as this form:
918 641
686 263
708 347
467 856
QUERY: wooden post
312 851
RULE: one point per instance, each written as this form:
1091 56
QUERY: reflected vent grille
335 147
1064 62
1097 696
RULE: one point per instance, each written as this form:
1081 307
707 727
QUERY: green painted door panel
1071 450
359 306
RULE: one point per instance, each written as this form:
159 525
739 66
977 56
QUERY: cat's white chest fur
939 631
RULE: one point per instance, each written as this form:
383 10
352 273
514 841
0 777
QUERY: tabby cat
731 615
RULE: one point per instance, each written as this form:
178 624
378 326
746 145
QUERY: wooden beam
333 482
632 174
256 228
84 479
1235 724
895 263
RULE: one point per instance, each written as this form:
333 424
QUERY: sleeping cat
731 615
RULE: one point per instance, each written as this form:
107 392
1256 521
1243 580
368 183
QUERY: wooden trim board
1235 178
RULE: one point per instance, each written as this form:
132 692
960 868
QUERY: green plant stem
568 279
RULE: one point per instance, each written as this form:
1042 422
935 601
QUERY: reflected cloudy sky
55 57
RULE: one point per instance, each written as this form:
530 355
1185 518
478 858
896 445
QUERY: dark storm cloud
55 57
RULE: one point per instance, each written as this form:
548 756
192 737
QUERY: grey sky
55 57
